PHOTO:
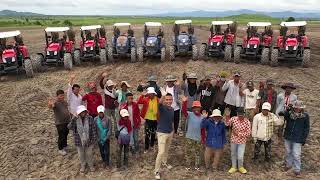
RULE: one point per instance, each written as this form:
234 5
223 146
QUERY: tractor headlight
91 48
4 60
183 40
295 47
55 53
13 59
255 46
287 48
48 53
218 43
84 48
248 46
211 43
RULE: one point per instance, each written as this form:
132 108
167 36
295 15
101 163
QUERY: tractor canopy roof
56 29
153 24
259 24
9 34
121 24
294 24
188 21
221 22
83 28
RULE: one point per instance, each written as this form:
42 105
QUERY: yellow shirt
152 111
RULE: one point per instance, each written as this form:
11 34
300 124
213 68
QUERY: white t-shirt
174 104
250 98
73 100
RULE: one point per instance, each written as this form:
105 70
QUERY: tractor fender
275 47
204 44
41 55
307 47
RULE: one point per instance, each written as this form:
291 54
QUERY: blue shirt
194 128
216 134
166 119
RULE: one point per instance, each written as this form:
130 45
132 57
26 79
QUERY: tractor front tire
110 54
37 63
76 57
274 57
163 54
202 51
172 53
133 55
194 52
28 68
103 56
140 54
67 61
228 53
237 57
306 58
265 56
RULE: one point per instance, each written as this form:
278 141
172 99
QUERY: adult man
219 94
190 88
164 131
250 96
206 92
152 82
174 89
268 95
74 97
233 98
93 99
262 130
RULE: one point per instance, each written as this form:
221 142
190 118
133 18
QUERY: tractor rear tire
202 51
110 54
237 57
265 56
76 57
28 68
194 52
37 63
67 61
306 58
163 54
133 55
274 57
171 53
140 54
103 56
228 53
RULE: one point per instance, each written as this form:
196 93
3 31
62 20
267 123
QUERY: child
62 118
103 131
125 129
193 135
85 136
215 138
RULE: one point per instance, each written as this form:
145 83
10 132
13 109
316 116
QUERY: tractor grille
87 48
9 60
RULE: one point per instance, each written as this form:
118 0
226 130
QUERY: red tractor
255 44
92 45
14 56
57 51
220 43
292 45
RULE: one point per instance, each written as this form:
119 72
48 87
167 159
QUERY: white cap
215 113
110 83
266 106
124 113
151 90
80 109
100 109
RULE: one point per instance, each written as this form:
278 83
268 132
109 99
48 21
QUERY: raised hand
205 113
104 75
227 112
163 91
184 98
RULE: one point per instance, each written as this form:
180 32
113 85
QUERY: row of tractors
60 46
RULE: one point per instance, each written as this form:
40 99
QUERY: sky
143 7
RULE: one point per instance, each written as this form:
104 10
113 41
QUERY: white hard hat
151 90
124 113
266 106
216 113
100 109
80 109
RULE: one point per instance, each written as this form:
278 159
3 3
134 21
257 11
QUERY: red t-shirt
270 96
93 99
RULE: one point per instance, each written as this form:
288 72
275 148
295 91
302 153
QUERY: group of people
211 109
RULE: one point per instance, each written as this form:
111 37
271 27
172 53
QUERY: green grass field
109 20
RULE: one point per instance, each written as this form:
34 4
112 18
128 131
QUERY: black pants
105 152
267 149
220 107
150 129
63 132
176 120
233 110
125 149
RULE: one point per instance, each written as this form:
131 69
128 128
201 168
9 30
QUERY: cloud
126 7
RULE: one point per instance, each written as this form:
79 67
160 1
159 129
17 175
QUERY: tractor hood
254 41
53 47
89 43
122 41
217 38
151 41
8 56
183 38
291 42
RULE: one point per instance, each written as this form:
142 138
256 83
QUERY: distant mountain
15 13
282 14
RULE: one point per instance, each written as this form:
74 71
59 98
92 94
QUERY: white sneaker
62 152
157 175
168 166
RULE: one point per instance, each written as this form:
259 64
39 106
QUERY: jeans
85 155
105 152
110 113
237 153
164 142
134 140
150 133
176 120
63 132
267 149
293 155
125 149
